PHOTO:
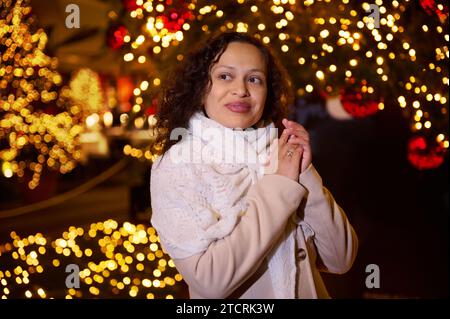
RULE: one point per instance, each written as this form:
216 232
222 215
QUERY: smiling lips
238 107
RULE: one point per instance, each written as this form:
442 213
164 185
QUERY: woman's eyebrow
233 68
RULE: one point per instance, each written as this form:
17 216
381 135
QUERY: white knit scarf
230 172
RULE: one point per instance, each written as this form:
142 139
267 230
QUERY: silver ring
289 153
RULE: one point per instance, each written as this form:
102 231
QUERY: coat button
301 254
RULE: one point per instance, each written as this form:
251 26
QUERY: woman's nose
240 89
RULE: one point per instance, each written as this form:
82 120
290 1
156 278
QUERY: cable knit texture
207 189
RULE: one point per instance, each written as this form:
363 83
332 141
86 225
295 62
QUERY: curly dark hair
186 85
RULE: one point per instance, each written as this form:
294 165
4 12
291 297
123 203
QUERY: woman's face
239 88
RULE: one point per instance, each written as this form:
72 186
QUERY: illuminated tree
37 128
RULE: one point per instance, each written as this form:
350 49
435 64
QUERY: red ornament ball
357 104
116 36
423 154
130 5
151 109
175 18
432 7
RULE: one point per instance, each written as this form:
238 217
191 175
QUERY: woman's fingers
289 154
298 132
283 138
295 128
298 140
288 151
292 129
294 125
296 156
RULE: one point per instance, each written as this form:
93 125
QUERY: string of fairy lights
114 260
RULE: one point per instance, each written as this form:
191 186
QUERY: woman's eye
255 80
223 76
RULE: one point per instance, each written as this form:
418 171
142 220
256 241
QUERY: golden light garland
114 261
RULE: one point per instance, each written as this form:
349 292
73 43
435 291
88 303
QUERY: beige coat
236 266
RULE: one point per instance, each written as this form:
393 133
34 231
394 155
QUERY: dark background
399 213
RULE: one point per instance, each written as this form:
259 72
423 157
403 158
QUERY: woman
242 211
